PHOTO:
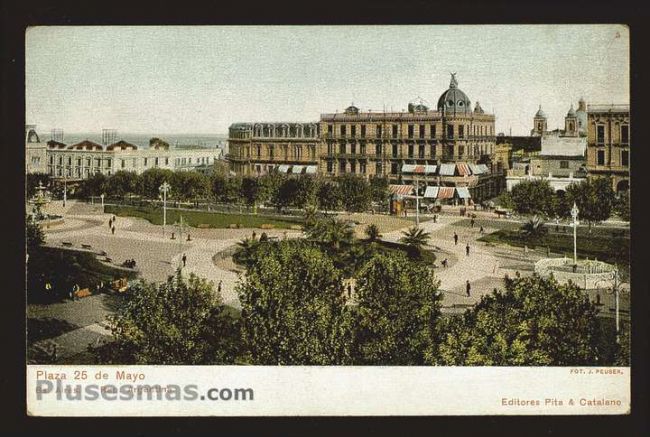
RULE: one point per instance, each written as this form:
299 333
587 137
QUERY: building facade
256 149
450 146
35 151
84 159
608 144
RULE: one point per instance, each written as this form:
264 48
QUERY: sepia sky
201 79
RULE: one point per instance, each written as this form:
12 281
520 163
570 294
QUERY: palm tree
332 232
534 229
416 238
244 254
372 231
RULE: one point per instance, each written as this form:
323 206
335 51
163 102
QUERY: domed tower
571 123
539 123
454 101
581 113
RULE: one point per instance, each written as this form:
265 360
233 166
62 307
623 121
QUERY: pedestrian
349 291
467 249
455 239
468 288
219 286
113 230
517 274
110 223
445 262
254 235
184 260
471 222
189 237
481 230
114 219
435 218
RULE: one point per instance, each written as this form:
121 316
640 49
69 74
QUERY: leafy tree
332 232
306 188
310 216
533 322
151 180
534 230
379 189
533 197
398 309
594 198
34 236
190 185
232 190
250 190
416 238
293 309
622 206
355 193
505 200
329 196
561 206
372 232
122 183
155 141
181 321
94 185
269 187
32 180
286 193
246 253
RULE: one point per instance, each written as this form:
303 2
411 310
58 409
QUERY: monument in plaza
39 201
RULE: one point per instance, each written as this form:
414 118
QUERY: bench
84 292
203 226
66 243
86 246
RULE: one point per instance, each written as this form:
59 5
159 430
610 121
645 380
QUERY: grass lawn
202 218
609 245
64 268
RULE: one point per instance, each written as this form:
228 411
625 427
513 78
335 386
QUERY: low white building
81 160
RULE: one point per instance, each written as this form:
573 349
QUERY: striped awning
447 169
419 169
297 169
475 168
463 169
283 168
401 190
484 168
310 169
431 193
463 192
446 192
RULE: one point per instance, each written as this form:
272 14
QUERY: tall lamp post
164 188
101 196
574 215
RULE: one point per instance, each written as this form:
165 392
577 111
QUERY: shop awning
475 169
419 169
431 193
297 169
283 168
447 169
401 190
408 168
463 192
484 168
311 169
446 193
463 169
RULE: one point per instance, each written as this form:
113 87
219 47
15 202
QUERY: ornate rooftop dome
540 113
454 100
352 109
572 112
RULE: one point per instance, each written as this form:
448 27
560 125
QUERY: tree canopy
533 197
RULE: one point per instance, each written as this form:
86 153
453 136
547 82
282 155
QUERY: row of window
352 150
625 158
97 162
476 130
624 134
297 151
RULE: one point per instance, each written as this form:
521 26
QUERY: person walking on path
467 249
110 223
445 262
114 219
481 230
435 218
471 222
468 288
184 260
455 239
113 229
219 287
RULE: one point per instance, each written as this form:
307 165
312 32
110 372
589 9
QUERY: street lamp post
164 188
101 196
574 215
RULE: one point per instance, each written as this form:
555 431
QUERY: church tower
581 113
571 123
539 123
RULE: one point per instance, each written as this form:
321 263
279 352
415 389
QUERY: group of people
130 263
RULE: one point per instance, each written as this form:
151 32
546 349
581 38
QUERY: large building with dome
448 151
